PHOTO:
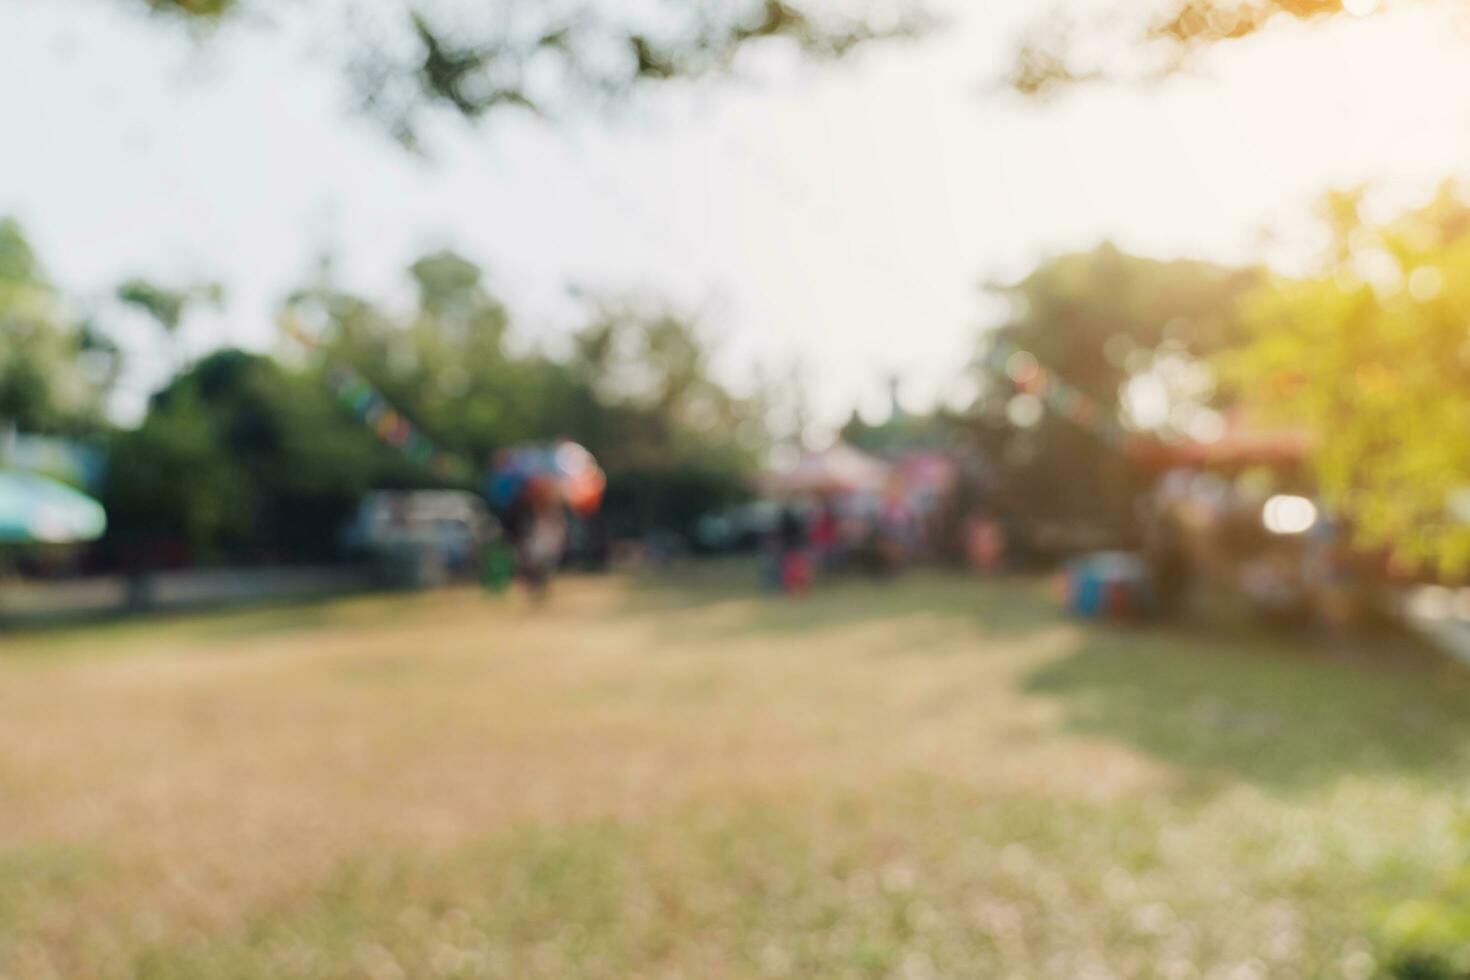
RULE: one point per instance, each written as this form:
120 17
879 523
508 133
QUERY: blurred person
1329 579
824 537
770 566
794 561
1273 587
538 532
895 532
985 543
1171 571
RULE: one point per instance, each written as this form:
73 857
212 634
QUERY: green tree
445 362
675 442
1101 322
651 366
636 389
168 306
239 458
54 371
1102 317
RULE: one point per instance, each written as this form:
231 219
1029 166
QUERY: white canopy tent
840 469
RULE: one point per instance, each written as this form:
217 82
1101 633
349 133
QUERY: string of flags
372 409
565 469
1054 392
369 406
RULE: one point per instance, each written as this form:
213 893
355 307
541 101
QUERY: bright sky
844 215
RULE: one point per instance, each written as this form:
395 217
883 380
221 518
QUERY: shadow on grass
1272 710
1220 700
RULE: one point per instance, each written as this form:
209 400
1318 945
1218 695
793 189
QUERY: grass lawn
681 778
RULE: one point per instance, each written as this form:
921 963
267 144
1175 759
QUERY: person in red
823 537
796 570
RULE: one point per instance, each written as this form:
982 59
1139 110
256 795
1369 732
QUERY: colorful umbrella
37 510
567 467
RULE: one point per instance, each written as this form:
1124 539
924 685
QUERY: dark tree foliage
241 459
1064 50
169 305
196 9
545 55
53 370
1097 317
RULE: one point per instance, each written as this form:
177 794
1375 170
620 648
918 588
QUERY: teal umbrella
35 509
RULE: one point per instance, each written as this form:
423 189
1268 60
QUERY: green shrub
1429 938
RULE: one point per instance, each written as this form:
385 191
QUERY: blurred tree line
245 456
636 388
240 458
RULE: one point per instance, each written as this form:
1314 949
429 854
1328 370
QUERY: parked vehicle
424 538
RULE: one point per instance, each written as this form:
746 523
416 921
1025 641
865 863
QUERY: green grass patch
681 777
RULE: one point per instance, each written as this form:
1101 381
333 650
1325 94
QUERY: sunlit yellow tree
1372 353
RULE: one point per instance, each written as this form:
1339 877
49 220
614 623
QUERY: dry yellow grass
177 797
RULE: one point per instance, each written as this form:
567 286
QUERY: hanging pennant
369 407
